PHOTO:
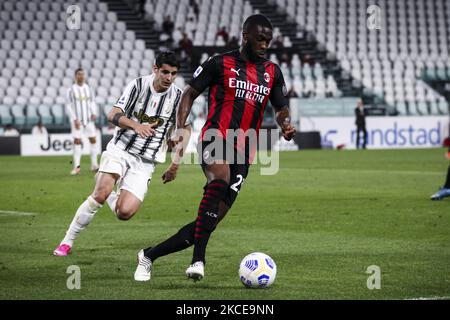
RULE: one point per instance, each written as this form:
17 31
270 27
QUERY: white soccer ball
257 270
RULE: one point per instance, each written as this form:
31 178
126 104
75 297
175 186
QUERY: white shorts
135 172
87 131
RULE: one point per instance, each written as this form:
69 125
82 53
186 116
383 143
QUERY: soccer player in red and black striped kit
240 84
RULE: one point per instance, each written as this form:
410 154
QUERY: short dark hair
167 57
257 20
78 70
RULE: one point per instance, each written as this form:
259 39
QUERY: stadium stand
324 48
390 62
39 57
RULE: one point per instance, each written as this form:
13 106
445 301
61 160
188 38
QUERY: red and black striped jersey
239 91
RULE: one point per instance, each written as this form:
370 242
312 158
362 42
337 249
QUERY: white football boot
196 271
75 171
144 268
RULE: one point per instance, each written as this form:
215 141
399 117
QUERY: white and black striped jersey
80 103
142 103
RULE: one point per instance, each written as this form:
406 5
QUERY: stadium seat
18 114
45 114
32 115
412 108
5 114
434 108
3 55
401 108
443 106
422 108
4 83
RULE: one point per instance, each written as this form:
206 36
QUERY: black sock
183 239
447 181
207 217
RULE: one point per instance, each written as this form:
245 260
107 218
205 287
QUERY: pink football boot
62 250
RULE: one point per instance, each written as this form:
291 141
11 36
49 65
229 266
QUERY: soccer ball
257 270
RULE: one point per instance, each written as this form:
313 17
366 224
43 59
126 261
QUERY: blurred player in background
444 192
360 122
145 114
82 113
240 84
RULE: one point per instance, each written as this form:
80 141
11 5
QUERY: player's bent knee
77 141
99 198
125 213
224 176
124 216
100 195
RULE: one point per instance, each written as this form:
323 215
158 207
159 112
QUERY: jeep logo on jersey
143 118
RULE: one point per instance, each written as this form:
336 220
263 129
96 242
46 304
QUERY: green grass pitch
324 218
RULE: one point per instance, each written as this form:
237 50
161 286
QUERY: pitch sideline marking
430 298
4 213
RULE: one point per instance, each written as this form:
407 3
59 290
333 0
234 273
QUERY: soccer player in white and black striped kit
145 115
82 111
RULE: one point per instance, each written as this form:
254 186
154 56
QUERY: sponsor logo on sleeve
121 100
198 71
284 89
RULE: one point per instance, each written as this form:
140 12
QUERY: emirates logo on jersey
249 90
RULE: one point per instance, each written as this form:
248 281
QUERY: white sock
112 201
76 155
83 217
94 162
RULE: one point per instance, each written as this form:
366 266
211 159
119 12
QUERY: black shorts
238 171
221 149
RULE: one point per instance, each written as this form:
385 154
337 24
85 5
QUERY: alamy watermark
374 17
73 19
74 280
374 280
235 147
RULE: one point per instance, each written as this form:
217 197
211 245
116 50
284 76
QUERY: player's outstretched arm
171 172
118 118
284 121
180 138
187 99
